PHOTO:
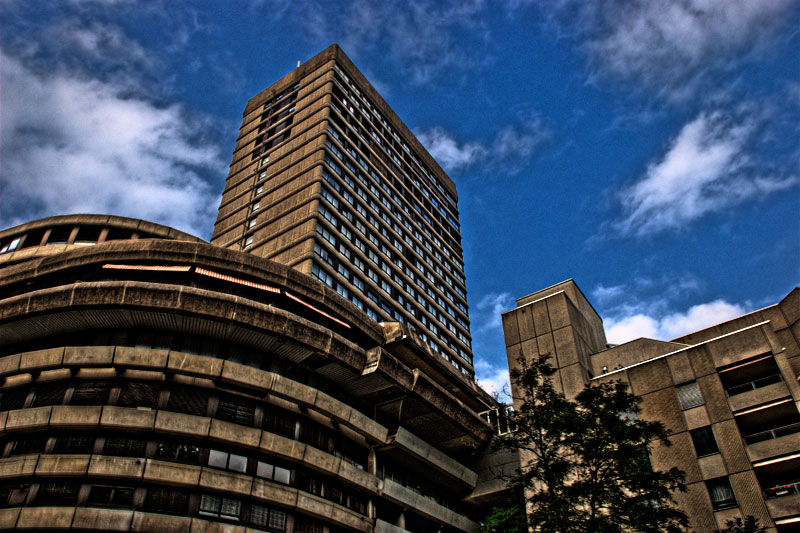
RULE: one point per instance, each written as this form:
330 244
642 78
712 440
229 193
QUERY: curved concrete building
154 382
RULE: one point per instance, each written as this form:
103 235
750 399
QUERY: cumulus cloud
707 168
447 151
674 48
494 380
72 144
510 149
622 329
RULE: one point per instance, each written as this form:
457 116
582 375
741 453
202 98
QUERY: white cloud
486 315
622 329
511 147
707 168
494 380
71 144
674 48
448 152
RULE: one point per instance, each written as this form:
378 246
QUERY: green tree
586 465
749 525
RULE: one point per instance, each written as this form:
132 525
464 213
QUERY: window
704 441
112 496
182 453
60 493
74 444
13 398
34 445
689 395
188 400
248 241
52 394
275 473
236 410
272 519
125 447
91 393
721 493
220 507
137 394
228 461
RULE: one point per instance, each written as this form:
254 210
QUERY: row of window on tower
366 109
410 296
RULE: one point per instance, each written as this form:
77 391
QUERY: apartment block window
721 493
188 400
125 447
274 473
228 461
271 519
237 410
50 394
137 394
111 496
182 453
167 501
689 395
58 493
248 241
74 444
220 507
13 398
704 441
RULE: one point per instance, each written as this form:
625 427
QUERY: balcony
768 429
779 479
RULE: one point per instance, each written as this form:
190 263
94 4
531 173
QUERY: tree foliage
585 462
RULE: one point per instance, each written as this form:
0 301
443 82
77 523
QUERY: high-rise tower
326 178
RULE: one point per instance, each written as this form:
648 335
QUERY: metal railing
772 433
784 489
755 384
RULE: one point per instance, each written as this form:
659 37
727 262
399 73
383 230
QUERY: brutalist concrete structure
327 179
155 382
728 393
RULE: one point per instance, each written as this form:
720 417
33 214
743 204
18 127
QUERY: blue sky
649 150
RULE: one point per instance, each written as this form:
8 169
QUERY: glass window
220 507
721 493
704 441
689 395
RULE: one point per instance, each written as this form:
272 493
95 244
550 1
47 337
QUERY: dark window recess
139 395
58 493
13 398
74 444
184 453
721 493
278 421
34 445
267 518
166 501
188 400
307 525
49 394
744 377
236 409
111 496
91 393
315 435
125 447
59 235
704 441
88 234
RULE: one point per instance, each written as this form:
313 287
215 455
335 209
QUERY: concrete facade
729 395
154 382
327 179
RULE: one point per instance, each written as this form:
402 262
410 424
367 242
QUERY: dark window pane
116 496
60 493
33 445
704 441
166 501
74 444
13 398
235 409
189 400
91 393
125 447
721 493
278 421
139 395
49 394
